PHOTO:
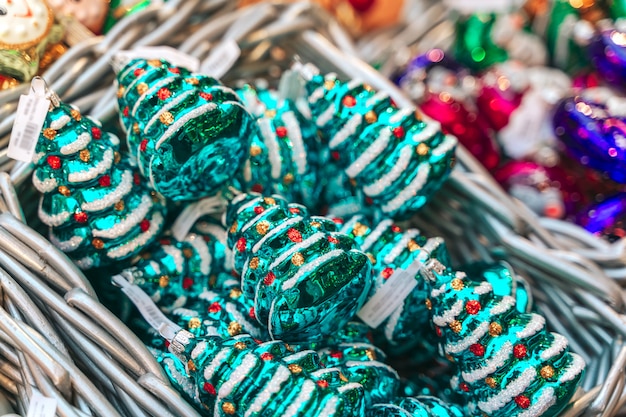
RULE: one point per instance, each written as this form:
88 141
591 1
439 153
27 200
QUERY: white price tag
41 406
148 309
171 55
483 6
190 215
221 59
390 295
29 119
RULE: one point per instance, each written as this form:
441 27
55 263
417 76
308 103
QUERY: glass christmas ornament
608 55
91 13
607 219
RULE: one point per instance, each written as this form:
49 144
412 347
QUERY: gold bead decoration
329 84
418 115
368 88
371 258
191 365
495 329
288 347
371 355
422 149
547 372
136 128
63 190
194 323
269 201
235 292
117 157
75 115
288 179
270 114
429 304
254 263
234 328
457 284
353 182
212 280
450 357
263 227
359 229
119 206
120 92
342 377
490 381
142 88
187 253
192 81
229 408
234 227
240 345
452 162
164 281
412 246
317 225
371 117
456 326
255 150
49 133
166 118
154 62
294 368
97 243
297 259
84 155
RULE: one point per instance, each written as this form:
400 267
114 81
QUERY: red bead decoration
126 111
187 283
477 349
209 388
322 384
464 387
258 210
396 229
349 101
144 225
164 94
136 178
438 331
54 162
294 210
257 188
369 201
333 240
398 132
267 356
251 313
143 145
335 155
387 272
336 354
519 351
269 278
294 235
472 307
104 180
174 70
281 131
96 133
206 96
241 244
81 217
522 401
215 308
337 220
138 72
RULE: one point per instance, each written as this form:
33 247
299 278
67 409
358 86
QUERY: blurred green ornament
475 46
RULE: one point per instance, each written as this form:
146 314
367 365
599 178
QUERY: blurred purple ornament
608 55
607 218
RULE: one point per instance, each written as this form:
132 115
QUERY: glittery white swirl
326 115
436 292
141 240
331 405
54 220
411 190
376 234
203 252
127 71
347 130
45 186
316 95
123 188
150 92
241 319
401 114
392 322
352 385
558 345
217 361
431 129
449 315
274 385
115 141
273 148
503 306
167 107
306 391
513 389
491 365
306 243
541 405
298 153
200 347
84 263
100 168
376 98
37 157
66 245
176 255
444 147
247 171
535 325
297 356
370 154
321 373
239 374
464 344
79 144
275 231
60 122
316 263
573 369
171 129
387 179
483 288
182 380
401 245
131 220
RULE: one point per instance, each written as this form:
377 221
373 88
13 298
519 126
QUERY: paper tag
171 55
148 309
390 295
41 406
221 59
484 6
29 119
190 215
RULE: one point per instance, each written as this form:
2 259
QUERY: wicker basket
57 338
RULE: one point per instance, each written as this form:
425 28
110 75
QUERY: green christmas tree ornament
306 279
394 156
508 363
188 132
97 206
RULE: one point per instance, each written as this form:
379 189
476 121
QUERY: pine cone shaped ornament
508 363
96 204
397 159
188 132
306 280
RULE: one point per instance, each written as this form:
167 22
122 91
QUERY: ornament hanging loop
40 88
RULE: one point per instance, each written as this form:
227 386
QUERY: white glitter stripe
411 190
326 371
91 173
127 71
464 344
503 306
155 267
446 146
167 107
123 188
541 405
376 234
449 315
558 345
387 179
306 243
401 245
131 220
431 129
149 92
271 142
291 282
515 388
491 365
235 378
483 288
249 204
198 350
392 322
401 114
331 405
37 157
370 154
350 224
84 263
326 116
436 292
142 239
115 141
239 198
298 152
376 98
171 129
79 144
297 356
350 386
176 255
535 325
54 220
247 171
241 319
573 369
60 122
274 385
216 363
348 130
306 391
67 245
44 186
277 230
203 252
316 95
